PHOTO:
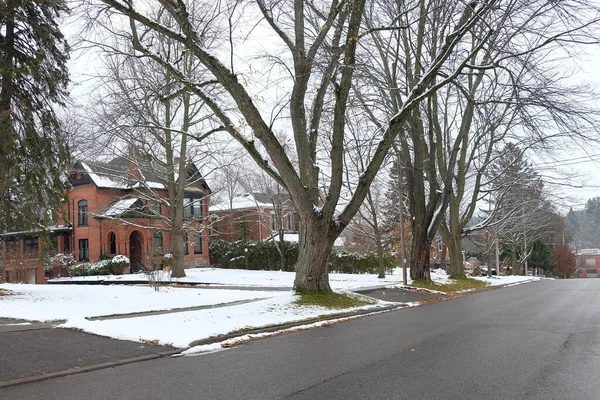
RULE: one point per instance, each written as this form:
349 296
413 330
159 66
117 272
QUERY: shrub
119 264
90 269
264 256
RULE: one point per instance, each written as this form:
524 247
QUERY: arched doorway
135 248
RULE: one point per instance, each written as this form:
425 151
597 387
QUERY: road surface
533 341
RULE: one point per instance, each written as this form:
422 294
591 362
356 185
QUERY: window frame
197 243
112 240
158 247
84 251
82 212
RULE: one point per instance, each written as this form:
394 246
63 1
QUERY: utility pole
401 205
497 254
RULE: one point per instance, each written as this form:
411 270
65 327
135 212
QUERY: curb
75 371
274 328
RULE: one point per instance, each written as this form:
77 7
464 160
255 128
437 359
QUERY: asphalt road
533 341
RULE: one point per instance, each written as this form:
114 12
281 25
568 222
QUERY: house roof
118 173
120 207
127 208
246 201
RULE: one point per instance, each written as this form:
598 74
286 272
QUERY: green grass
454 286
331 300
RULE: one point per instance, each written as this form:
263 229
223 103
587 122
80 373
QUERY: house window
82 213
156 207
185 243
112 241
84 250
590 262
12 249
198 243
158 243
30 247
192 207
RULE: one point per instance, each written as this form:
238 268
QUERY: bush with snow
120 259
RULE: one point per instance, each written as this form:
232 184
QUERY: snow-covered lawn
56 302
239 277
76 302
181 329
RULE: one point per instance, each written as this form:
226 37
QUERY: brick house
588 263
108 212
255 213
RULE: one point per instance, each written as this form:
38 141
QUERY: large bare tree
502 77
303 83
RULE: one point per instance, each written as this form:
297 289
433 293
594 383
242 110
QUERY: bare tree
502 77
162 128
314 63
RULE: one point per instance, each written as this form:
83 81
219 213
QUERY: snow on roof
295 238
119 208
104 181
247 201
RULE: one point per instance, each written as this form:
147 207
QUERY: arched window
82 213
158 243
112 240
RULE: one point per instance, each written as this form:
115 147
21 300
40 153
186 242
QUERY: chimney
133 172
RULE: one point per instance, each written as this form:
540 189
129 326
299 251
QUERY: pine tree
33 80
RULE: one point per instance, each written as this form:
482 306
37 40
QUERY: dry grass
4 292
454 286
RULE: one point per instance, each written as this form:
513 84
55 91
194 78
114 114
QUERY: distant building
108 212
588 263
253 215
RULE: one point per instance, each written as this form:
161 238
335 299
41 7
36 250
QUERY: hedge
264 256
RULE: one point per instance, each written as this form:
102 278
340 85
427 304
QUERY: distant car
484 271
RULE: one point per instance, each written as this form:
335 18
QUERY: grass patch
332 300
455 285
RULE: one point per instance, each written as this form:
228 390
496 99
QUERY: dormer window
82 213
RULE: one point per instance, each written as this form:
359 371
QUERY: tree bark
316 242
420 248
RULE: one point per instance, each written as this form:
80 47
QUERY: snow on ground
240 277
55 302
76 302
181 329
508 280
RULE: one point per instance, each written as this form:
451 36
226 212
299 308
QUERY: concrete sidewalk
38 350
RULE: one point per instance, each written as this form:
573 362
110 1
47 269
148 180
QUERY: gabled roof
119 173
127 208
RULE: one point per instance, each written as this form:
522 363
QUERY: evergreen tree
541 256
391 212
33 80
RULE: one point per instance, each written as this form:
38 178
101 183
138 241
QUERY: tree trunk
456 269
380 259
316 242
420 249
177 269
